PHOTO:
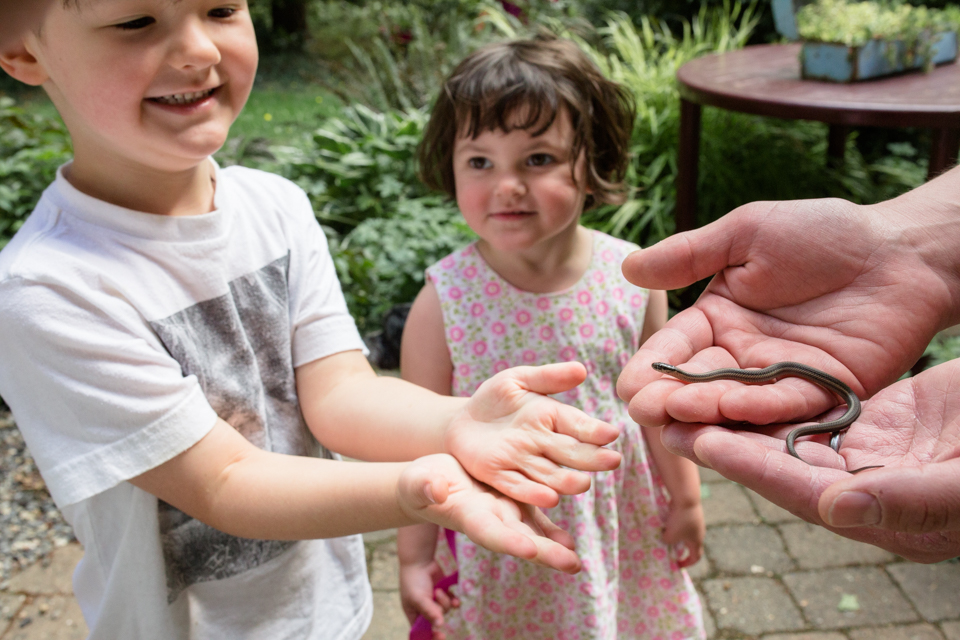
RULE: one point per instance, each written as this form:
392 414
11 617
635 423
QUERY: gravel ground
31 526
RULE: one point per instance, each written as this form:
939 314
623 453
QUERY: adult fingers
786 481
921 499
683 337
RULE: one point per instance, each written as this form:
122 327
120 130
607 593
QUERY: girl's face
517 191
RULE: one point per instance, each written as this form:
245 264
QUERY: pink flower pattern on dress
630 586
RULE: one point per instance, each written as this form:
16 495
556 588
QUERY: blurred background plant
32 146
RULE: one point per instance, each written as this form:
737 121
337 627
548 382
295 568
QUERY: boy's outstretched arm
508 435
230 484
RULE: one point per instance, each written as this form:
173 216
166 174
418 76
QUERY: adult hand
512 437
910 506
437 489
857 291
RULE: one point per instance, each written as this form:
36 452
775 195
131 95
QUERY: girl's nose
511 186
194 48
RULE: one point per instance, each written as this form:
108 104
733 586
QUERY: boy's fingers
541 470
519 487
576 424
549 378
579 456
552 531
493 533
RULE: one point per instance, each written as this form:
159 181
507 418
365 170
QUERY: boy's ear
20 63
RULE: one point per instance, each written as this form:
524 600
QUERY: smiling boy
178 355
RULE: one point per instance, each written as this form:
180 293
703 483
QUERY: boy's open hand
513 438
437 489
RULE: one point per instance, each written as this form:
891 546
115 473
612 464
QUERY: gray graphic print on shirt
239 348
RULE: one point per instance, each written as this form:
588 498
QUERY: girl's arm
424 361
685 523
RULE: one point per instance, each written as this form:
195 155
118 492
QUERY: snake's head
663 367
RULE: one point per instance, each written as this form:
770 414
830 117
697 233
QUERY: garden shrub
32 146
381 262
359 165
359 171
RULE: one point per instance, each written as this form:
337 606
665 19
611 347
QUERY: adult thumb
684 258
921 499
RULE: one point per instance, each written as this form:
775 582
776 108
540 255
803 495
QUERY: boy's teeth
184 98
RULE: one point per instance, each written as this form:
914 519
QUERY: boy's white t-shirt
123 335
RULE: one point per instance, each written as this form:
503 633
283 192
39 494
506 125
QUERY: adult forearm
926 221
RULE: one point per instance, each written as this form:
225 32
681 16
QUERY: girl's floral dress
630 586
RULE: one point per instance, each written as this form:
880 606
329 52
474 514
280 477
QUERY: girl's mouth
183 99
511 215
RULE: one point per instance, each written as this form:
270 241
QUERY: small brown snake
781 370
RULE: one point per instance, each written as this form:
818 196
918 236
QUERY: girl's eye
478 163
222 12
138 23
540 159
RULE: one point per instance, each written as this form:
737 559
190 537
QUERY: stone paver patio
767 575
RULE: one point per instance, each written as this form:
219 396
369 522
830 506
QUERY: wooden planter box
837 62
784 12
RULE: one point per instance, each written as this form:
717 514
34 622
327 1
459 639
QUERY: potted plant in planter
848 41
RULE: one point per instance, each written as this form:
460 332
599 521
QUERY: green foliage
397 55
359 170
32 146
645 58
941 349
856 23
743 158
359 165
380 263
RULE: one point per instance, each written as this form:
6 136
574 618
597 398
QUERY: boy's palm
437 489
513 438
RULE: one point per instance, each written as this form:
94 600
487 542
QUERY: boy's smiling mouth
182 99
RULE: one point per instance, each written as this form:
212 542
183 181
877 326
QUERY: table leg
944 147
688 166
837 144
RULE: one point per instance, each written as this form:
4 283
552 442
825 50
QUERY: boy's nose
194 48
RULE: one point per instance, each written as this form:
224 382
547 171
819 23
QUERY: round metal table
765 80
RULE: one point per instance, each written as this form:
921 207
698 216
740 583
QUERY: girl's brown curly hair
525 84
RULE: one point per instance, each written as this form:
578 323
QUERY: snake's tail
873 466
836 438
